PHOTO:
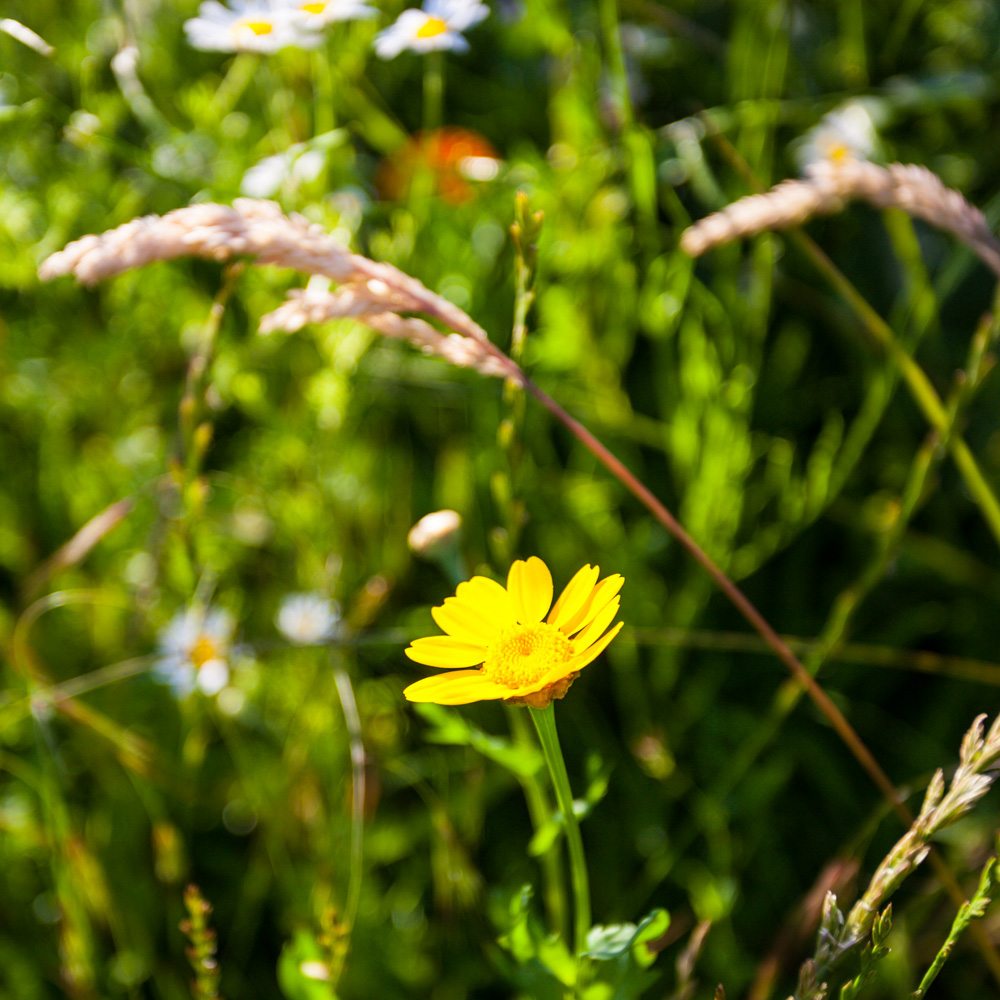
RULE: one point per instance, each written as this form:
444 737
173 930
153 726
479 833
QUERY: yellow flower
500 631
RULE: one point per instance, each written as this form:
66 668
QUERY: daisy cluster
196 649
267 26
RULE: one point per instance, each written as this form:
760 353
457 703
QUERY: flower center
838 151
524 654
431 27
203 651
314 8
259 27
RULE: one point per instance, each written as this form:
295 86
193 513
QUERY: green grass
745 389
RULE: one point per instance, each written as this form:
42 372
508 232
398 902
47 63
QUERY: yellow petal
530 587
579 661
445 651
458 688
594 603
574 594
597 626
488 598
466 621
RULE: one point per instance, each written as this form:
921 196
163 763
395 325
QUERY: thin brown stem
733 593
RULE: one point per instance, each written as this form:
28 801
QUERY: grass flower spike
519 654
437 25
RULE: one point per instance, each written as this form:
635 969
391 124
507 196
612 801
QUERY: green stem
239 74
540 811
615 60
433 90
324 114
919 384
345 691
545 723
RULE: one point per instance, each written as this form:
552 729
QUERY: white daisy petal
437 27
248 26
196 640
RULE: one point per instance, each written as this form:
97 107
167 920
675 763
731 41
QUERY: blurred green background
741 388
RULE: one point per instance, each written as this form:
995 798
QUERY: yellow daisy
519 657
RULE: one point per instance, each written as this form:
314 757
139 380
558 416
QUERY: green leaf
556 957
604 943
651 927
519 939
545 960
298 958
453 729
544 837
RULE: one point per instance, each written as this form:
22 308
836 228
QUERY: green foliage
620 955
974 909
233 469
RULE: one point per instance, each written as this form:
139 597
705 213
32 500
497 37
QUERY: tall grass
815 407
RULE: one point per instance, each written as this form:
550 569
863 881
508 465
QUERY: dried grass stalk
317 305
972 779
942 806
371 292
462 351
828 186
250 228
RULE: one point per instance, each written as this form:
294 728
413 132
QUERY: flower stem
545 723
325 113
234 83
433 90
353 720
540 810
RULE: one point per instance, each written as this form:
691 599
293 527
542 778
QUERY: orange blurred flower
454 156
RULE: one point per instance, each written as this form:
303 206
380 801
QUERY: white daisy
247 26
846 133
298 164
307 619
437 25
317 14
194 651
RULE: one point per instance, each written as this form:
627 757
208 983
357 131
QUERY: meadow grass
211 783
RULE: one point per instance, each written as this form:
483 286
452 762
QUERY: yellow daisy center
314 8
524 654
259 27
203 651
431 27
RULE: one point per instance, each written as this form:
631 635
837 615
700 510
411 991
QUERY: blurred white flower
307 619
317 14
194 651
437 25
248 26
298 164
846 133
